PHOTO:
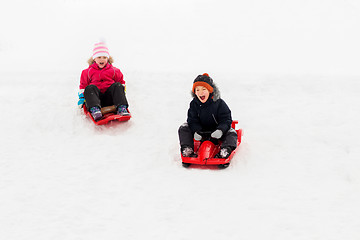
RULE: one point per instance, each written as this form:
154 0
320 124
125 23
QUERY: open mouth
202 97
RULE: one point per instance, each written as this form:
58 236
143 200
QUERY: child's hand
217 134
197 136
81 98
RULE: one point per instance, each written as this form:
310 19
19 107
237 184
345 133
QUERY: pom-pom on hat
204 80
100 50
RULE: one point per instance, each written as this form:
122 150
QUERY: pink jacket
102 78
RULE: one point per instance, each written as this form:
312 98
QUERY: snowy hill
287 69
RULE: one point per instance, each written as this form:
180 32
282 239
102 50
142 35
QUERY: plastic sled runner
206 151
109 114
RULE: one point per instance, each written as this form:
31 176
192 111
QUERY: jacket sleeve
193 118
84 79
119 77
224 117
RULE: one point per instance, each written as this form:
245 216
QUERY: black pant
114 95
186 137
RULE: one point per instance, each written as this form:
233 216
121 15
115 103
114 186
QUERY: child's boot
96 113
122 111
187 151
224 153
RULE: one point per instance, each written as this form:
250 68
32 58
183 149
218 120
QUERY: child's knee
184 128
232 132
91 88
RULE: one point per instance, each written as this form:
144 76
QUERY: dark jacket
209 116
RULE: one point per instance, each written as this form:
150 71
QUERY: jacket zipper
214 118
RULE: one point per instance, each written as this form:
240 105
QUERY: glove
197 136
217 134
81 98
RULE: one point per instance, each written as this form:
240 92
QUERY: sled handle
234 122
108 109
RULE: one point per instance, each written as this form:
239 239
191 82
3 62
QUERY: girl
207 113
102 84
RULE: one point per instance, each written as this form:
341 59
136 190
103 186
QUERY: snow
289 70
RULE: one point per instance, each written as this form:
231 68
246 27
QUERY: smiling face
202 93
101 61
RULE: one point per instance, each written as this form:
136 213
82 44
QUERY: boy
207 113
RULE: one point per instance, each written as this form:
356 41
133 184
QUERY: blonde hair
91 60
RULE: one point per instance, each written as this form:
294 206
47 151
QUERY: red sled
109 114
207 150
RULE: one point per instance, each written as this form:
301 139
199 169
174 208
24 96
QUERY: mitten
217 134
81 98
197 136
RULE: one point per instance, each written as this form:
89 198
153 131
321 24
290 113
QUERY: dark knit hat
204 80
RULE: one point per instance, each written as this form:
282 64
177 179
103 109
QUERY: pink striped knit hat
100 50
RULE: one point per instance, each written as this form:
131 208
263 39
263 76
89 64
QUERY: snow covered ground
289 70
